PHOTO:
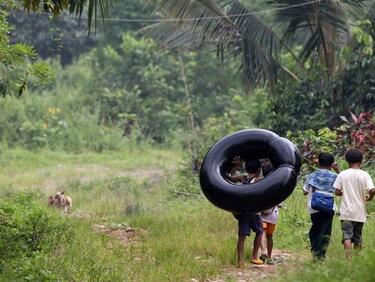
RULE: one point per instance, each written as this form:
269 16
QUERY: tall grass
183 238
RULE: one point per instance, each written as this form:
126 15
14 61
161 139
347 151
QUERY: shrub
311 143
357 132
185 183
301 105
360 133
28 232
57 123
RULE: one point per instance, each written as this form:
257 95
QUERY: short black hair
267 167
252 165
326 159
353 156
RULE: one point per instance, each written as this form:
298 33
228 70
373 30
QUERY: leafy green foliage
135 90
357 81
18 65
360 131
185 183
141 83
246 37
311 143
316 102
28 232
242 112
301 105
51 122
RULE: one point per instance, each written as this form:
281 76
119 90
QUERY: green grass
184 238
22 169
294 237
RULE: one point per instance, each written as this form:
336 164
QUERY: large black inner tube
249 144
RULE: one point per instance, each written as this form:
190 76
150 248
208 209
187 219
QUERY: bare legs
256 245
352 235
348 248
263 246
266 247
240 250
241 247
269 245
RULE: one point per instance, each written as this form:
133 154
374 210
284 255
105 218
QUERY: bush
301 105
360 132
311 143
317 101
185 183
28 232
55 122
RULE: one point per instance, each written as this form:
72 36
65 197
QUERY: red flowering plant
312 142
360 131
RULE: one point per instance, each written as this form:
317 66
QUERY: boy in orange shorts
269 218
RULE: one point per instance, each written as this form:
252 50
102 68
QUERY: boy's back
354 185
356 188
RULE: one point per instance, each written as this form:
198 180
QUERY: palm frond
324 25
56 7
174 37
305 18
259 46
371 13
228 25
191 24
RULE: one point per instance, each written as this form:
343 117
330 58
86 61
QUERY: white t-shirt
271 218
354 185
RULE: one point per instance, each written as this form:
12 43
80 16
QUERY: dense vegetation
115 119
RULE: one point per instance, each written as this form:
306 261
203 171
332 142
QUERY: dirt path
123 233
284 261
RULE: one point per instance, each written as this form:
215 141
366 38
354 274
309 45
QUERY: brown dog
61 201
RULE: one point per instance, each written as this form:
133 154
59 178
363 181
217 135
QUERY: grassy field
30 169
177 237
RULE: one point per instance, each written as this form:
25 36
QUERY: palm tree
322 27
56 7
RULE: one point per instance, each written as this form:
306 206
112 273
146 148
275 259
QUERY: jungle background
119 115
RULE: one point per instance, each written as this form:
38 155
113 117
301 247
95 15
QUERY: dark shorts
352 230
248 222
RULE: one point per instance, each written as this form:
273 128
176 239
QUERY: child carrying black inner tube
220 187
248 221
268 217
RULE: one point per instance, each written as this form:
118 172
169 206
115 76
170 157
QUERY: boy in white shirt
356 187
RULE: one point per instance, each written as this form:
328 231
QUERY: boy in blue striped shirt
322 181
